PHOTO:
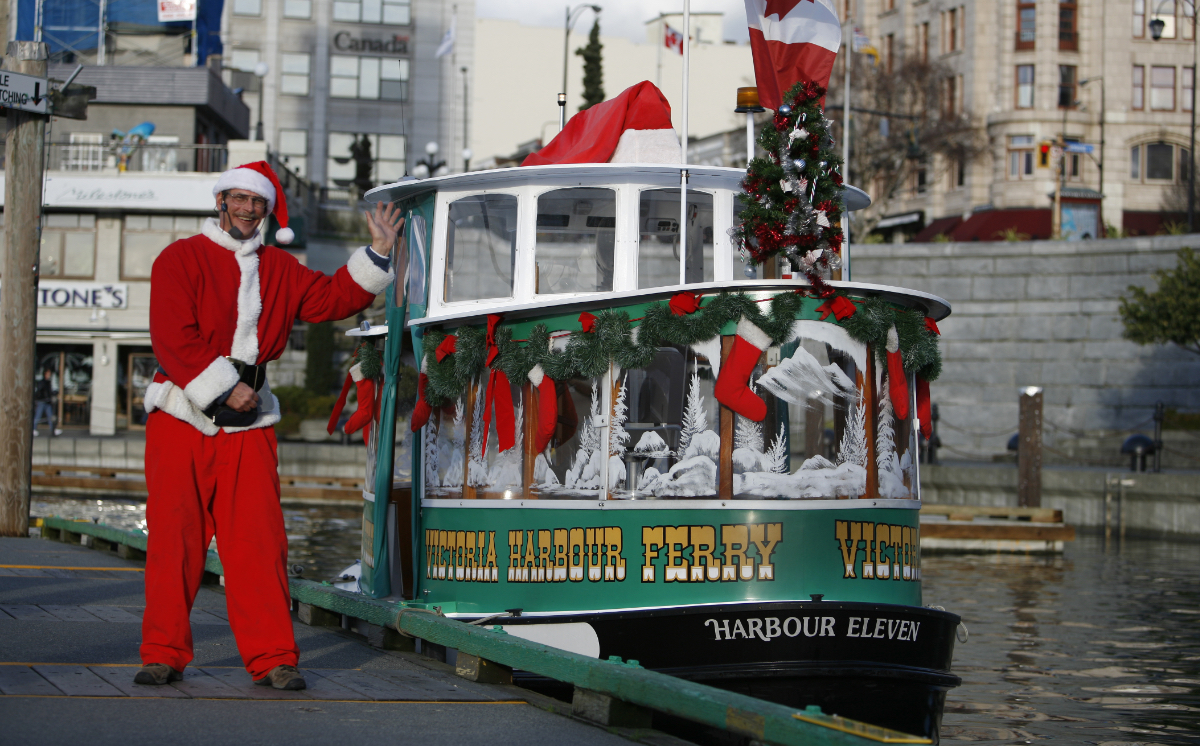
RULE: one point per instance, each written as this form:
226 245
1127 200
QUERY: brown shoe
157 674
283 677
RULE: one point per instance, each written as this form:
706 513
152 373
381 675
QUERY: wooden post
866 388
24 149
529 444
468 492
725 458
1029 449
814 426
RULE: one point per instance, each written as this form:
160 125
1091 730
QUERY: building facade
347 75
1030 72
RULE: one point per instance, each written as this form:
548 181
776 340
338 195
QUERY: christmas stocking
422 410
924 410
547 407
897 380
366 404
732 387
339 405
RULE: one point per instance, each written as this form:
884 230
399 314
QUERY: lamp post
572 17
466 153
1100 165
260 72
428 166
747 103
1156 30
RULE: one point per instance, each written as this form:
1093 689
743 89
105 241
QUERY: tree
1169 314
776 456
618 438
928 131
853 449
748 433
593 69
695 419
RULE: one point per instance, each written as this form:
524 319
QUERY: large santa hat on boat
260 178
634 127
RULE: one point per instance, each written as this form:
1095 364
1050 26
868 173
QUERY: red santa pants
227 484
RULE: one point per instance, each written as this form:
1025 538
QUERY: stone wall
1042 313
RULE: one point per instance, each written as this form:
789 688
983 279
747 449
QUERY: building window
1165 10
1139 19
1066 86
247 7
368 77
951 96
1160 161
1185 162
958 173
1139 87
241 63
68 246
1162 88
293 147
889 4
145 236
1026 24
1135 163
294 70
380 161
950 20
1187 26
1188 82
297 8
390 12
1068 39
1020 157
924 30
889 52
1024 86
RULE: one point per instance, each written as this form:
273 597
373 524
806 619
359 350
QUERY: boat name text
888 551
768 628
747 548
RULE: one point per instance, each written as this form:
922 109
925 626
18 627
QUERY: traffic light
1044 154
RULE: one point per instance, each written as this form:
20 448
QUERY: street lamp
428 166
260 72
1156 31
572 17
466 154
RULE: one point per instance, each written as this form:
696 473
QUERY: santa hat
634 127
260 178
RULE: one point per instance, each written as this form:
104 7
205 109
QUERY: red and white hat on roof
260 178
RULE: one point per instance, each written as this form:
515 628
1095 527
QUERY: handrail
766 721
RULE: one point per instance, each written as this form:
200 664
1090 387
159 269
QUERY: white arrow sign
23 92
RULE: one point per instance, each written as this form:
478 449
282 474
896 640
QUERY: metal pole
101 47
1159 415
849 62
562 111
566 45
749 138
466 110
683 174
258 128
24 150
1192 140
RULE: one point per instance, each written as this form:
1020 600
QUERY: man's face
245 209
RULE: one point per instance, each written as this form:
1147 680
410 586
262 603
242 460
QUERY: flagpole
849 60
683 173
662 42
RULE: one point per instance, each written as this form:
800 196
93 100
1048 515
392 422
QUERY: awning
903 219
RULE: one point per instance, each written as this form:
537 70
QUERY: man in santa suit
222 305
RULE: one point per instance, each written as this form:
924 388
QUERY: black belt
253 376
222 415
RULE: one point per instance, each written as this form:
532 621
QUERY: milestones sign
23 92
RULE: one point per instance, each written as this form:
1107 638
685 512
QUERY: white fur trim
249 308
212 231
367 273
753 334
647 146
285 235
893 340
536 374
171 399
356 372
251 181
711 349
219 377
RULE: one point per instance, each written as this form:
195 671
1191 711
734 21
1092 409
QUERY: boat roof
584 174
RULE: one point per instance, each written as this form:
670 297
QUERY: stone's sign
24 92
62 294
768 628
344 42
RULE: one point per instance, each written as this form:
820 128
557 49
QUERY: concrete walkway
70 625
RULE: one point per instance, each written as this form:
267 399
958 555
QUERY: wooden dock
969 528
101 481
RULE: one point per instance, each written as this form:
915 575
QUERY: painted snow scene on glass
458 461
663 439
444 451
572 466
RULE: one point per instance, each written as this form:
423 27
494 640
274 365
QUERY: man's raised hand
384 226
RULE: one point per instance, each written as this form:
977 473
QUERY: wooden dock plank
70 613
28 613
115 614
200 685
200 616
78 681
319 687
240 681
428 685
25 572
121 678
22 680
1018 531
378 689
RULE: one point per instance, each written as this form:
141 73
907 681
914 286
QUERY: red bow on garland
499 396
588 322
841 307
684 303
447 347
931 325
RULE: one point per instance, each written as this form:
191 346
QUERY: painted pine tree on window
853 449
695 419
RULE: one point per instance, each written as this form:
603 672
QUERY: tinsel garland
792 201
613 340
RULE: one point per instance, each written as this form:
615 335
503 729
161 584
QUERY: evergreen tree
853 449
618 439
748 434
776 456
695 419
432 479
477 472
593 69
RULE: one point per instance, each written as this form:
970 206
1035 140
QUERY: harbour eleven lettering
557 555
768 628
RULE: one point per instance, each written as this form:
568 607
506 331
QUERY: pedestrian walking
222 305
44 401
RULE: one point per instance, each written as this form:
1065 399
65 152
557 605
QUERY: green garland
367 356
612 340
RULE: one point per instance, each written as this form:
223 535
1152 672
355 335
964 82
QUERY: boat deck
69 634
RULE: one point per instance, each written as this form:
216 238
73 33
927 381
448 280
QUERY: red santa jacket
213 296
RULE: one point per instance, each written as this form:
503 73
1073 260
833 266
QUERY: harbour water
1098 646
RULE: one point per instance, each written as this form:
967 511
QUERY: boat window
571 465
413 243
575 233
481 240
743 266
658 238
444 448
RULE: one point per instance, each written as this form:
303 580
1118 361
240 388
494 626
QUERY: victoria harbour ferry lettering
736 560
464 556
881 551
561 554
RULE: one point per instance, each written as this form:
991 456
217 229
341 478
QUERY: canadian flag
672 39
792 40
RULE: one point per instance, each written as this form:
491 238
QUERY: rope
436 611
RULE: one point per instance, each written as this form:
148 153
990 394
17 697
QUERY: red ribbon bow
931 325
588 321
684 303
447 347
498 397
841 308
